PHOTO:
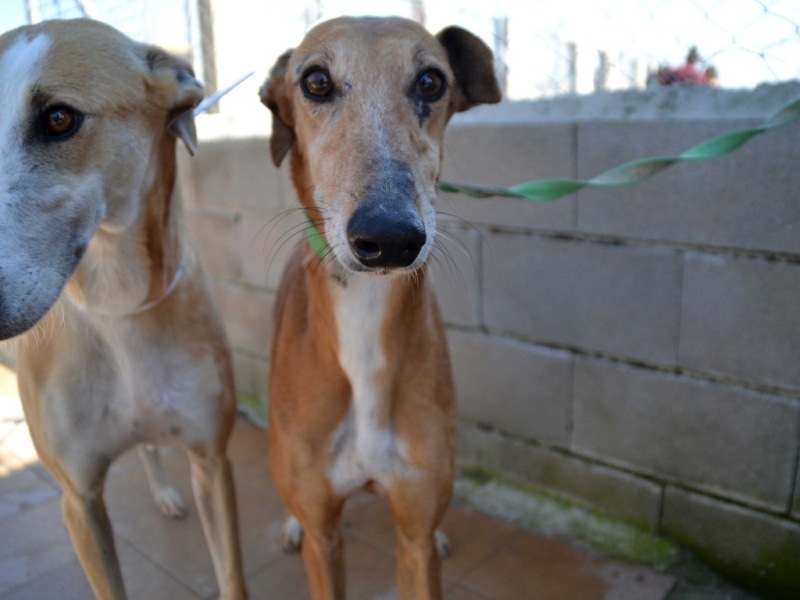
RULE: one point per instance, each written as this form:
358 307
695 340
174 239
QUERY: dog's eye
430 85
317 83
60 122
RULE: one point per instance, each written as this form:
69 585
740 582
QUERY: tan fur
336 150
132 352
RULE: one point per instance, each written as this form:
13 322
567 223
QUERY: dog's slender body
123 344
360 388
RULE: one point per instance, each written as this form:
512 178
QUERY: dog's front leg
417 508
307 492
323 549
418 570
89 528
212 483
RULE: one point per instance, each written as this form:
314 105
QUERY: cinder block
216 236
758 551
718 438
268 238
455 269
507 155
618 300
247 315
612 492
747 199
515 387
740 319
238 173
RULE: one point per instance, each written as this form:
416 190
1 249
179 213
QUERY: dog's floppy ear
473 66
275 97
173 77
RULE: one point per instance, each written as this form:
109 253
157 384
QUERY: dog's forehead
20 56
65 59
78 44
374 40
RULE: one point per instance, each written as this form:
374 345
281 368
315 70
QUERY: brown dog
361 393
125 346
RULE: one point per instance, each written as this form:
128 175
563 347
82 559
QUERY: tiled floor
164 559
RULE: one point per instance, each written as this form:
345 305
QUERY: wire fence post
205 20
32 11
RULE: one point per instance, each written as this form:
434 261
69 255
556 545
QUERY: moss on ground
553 516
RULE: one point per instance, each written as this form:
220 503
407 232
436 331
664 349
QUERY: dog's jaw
111 174
30 279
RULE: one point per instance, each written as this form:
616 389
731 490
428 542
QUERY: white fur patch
20 65
292 536
366 448
337 215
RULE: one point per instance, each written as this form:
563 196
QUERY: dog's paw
292 541
170 503
443 545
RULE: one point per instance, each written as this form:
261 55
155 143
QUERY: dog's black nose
381 237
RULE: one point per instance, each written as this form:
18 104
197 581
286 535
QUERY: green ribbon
315 239
545 190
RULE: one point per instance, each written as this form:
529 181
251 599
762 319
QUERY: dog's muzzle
380 237
13 325
385 231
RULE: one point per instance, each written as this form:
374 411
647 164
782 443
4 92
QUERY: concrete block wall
635 350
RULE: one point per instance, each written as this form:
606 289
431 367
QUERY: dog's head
362 105
85 111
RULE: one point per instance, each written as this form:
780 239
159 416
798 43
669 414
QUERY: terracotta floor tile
633 582
21 486
248 447
285 578
179 546
369 520
460 593
370 574
17 453
473 535
143 581
130 460
169 559
65 583
34 541
537 568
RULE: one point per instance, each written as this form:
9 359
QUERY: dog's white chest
160 390
364 446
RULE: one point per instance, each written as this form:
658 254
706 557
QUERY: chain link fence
544 48
586 46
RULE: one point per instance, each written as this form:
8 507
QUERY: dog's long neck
124 269
374 322
162 222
